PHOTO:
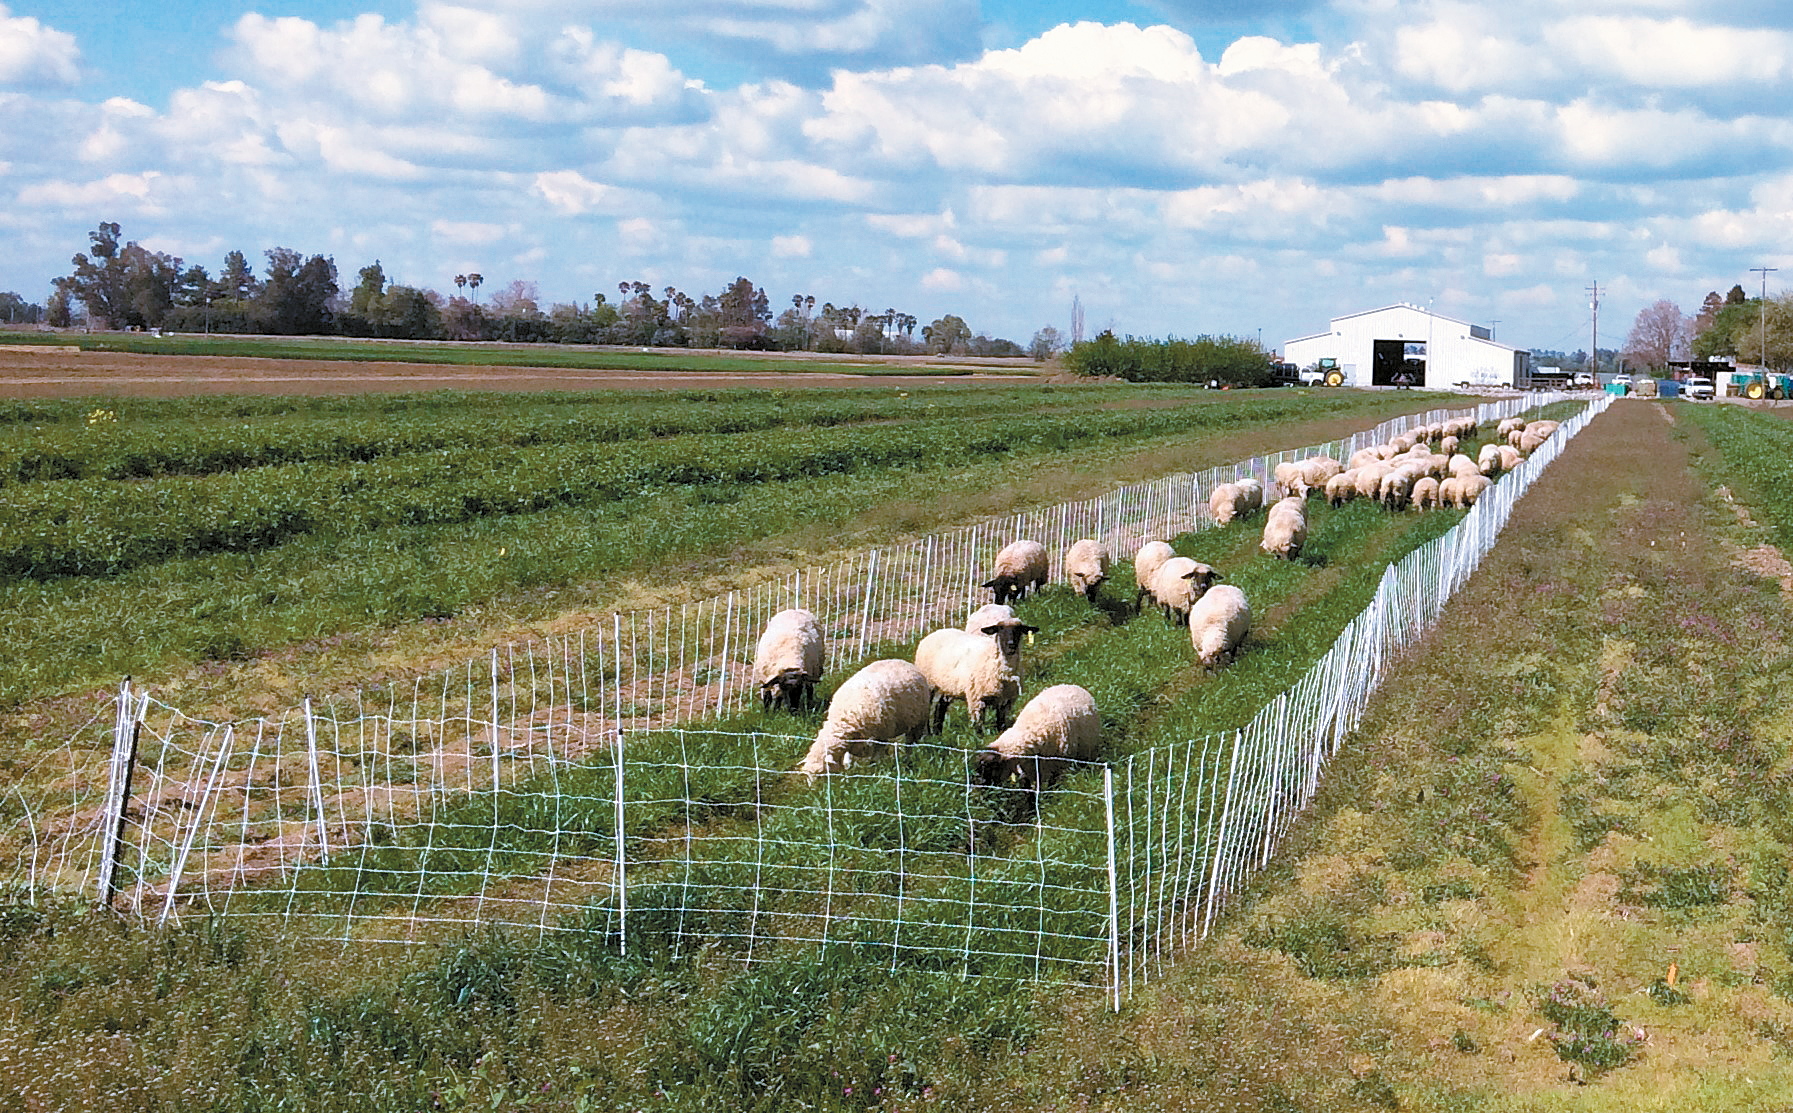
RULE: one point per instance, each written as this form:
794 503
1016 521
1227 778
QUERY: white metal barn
1373 348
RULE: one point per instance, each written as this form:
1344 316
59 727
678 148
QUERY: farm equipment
1762 384
1330 372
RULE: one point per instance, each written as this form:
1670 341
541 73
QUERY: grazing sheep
1086 566
1472 489
1448 446
789 660
1146 562
1226 502
1397 488
1020 566
959 664
1464 466
1316 470
1301 477
1361 457
1286 529
1254 493
1178 583
1510 458
875 707
1535 434
1487 461
1369 479
1425 493
988 613
1515 437
1341 488
1218 625
1058 726
1287 477
1507 425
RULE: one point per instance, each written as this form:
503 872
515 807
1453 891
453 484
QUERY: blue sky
1181 166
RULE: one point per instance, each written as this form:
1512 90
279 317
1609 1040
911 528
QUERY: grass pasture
227 1016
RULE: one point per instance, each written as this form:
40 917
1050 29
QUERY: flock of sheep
892 701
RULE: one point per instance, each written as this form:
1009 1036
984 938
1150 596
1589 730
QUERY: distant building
1406 345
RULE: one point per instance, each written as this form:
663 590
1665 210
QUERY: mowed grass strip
463 505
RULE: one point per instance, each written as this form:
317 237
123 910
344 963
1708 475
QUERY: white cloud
792 247
472 232
570 191
942 279
114 189
33 54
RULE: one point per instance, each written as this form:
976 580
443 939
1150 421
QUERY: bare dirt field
70 372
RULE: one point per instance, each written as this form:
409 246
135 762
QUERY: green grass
217 1015
219 529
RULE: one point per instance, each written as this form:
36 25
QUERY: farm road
1580 775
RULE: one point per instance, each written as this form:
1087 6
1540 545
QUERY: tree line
1734 326
124 285
1227 360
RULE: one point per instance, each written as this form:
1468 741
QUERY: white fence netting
568 784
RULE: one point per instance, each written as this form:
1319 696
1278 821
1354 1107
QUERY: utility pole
1494 329
1765 272
1594 350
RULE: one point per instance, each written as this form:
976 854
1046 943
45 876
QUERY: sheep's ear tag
1030 637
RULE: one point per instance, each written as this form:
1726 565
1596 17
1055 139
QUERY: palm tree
460 281
474 280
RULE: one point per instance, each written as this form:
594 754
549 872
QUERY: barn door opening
1398 363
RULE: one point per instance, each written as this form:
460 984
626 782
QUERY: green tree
365 300
123 285
236 281
946 333
1736 296
295 298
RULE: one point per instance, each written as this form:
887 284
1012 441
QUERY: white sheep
1487 461
1020 566
965 666
1285 531
1218 625
1397 488
1369 479
1510 458
789 659
1341 488
1146 563
1425 493
1058 726
1361 457
1473 488
1254 493
1086 566
997 621
1226 502
882 703
1463 466
1178 583
1535 434
1448 445
1507 425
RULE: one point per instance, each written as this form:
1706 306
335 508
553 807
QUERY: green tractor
1762 384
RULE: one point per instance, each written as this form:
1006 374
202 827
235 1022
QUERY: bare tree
1661 333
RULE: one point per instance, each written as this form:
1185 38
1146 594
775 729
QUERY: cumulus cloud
33 54
792 247
133 191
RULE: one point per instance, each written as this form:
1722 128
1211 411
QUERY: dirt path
1578 784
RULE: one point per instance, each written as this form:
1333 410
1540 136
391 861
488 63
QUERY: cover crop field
152 536
234 1015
